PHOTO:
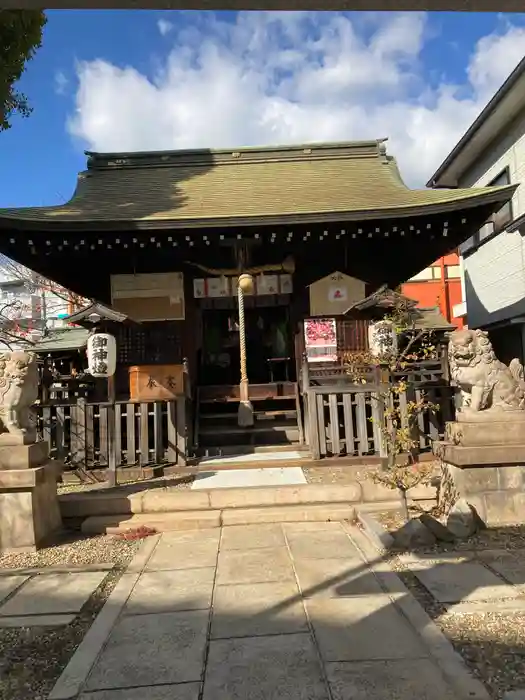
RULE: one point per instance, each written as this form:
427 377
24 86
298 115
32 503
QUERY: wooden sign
157 296
334 294
156 382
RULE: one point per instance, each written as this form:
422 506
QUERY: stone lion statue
18 392
485 382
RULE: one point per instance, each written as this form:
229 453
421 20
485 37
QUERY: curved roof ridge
237 156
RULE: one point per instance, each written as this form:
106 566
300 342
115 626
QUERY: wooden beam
333 5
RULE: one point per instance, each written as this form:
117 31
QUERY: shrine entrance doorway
271 370
269 346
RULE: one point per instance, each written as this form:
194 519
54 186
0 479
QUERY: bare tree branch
20 314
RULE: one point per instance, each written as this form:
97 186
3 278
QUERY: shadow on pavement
301 619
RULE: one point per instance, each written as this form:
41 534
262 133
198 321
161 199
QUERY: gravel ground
32 659
74 549
338 475
510 538
492 644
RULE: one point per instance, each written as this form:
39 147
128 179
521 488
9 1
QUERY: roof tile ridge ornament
245 155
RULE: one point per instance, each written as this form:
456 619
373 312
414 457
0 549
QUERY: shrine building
161 239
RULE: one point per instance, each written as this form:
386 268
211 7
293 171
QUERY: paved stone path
266 612
45 598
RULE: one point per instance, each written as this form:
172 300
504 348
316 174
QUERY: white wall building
492 152
27 309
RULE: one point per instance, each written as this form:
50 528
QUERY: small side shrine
341 315
98 318
326 333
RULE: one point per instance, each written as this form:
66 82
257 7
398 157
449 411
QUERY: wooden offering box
156 382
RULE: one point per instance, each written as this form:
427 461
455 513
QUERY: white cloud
164 26
61 83
274 78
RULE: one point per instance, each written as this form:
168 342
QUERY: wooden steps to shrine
276 413
252 456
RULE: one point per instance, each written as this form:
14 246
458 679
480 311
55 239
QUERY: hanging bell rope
245 413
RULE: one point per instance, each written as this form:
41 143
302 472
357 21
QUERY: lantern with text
382 340
102 355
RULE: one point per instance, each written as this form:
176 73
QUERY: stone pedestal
484 462
496 492
23 456
29 509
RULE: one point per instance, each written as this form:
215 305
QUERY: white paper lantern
102 355
382 339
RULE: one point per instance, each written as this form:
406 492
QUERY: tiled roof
314 182
62 339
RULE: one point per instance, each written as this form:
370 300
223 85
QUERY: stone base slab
497 492
29 507
490 416
23 456
490 434
482 455
27 438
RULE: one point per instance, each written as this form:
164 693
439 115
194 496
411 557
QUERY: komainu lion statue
485 382
18 392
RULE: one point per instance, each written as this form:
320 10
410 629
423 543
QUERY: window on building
503 216
453 271
497 222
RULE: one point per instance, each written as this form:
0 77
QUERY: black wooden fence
344 418
110 435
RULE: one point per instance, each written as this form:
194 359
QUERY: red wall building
438 285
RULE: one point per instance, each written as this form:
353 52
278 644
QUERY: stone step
237 450
321 512
161 522
74 505
273 461
218 436
199 520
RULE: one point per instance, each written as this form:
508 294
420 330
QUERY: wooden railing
343 418
110 435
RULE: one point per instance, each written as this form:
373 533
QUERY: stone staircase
169 508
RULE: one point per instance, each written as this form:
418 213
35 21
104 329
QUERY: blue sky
139 80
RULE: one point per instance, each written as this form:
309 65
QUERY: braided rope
242 335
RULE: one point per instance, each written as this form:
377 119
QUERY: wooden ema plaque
156 382
334 294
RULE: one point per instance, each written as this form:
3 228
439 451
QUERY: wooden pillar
112 454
